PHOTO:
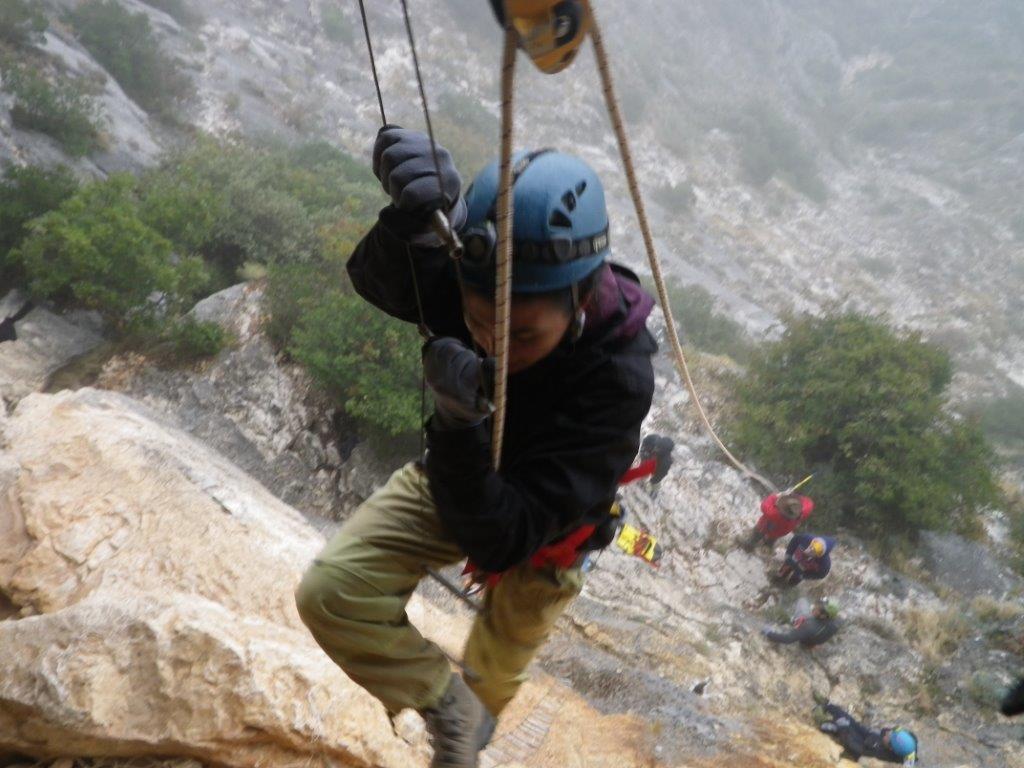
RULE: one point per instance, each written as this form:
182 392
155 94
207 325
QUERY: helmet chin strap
579 314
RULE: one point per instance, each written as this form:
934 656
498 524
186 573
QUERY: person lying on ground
580 383
890 745
811 629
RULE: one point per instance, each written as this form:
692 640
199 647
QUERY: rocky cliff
147 603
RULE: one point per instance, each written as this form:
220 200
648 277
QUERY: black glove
460 381
404 163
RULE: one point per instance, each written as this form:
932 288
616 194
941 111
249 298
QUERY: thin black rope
373 63
423 96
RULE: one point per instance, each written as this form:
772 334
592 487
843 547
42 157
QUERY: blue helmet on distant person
902 742
559 223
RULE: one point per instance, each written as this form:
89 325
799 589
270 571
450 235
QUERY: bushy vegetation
21 22
677 198
702 327
142 250
95 251
177 10
771 147
336 26
124 43
238 204
62 109
862 406
1003 419
368 361
468 130
25 194
188 340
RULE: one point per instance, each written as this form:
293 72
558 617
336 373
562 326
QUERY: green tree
25 194
95 251
367 361
702 327
862 407
370 362
21 23
236 203
61 108
124 43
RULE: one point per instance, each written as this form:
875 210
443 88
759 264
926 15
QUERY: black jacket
810 632
572 422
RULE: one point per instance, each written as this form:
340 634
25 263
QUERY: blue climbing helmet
902 743
559 223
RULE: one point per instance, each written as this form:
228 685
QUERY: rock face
259 411
153 583
45 343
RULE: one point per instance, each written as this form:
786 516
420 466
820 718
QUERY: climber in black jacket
890 745
580 384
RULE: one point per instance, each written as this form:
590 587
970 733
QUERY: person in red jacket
781 514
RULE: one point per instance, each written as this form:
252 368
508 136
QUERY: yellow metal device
550 31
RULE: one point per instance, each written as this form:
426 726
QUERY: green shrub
124 43
1003 419
677 198
771 147
702 327
177 10
61 110
21 23
862 407
369 361
236 204
95 251
366 360
25 194
986 689
188 340
336 26
468 130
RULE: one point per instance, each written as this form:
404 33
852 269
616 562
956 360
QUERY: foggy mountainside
160 494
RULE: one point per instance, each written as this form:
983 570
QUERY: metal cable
373 63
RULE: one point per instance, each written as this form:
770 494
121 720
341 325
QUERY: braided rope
503 279
615 116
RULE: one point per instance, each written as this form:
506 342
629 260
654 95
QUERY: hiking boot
459 727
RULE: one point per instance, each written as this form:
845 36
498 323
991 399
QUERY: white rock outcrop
149 584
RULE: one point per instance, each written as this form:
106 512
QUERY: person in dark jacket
890 745
580 384
807 557
810 630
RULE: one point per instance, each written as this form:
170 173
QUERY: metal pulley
550 31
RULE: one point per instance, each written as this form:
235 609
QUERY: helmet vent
569 201
559 219
581 188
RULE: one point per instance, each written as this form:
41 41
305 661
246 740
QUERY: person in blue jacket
807 557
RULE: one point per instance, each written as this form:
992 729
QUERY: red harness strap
641 470
563 553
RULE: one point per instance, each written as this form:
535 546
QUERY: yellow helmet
550 31
816 547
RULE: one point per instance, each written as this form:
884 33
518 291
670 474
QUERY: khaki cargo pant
353 600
